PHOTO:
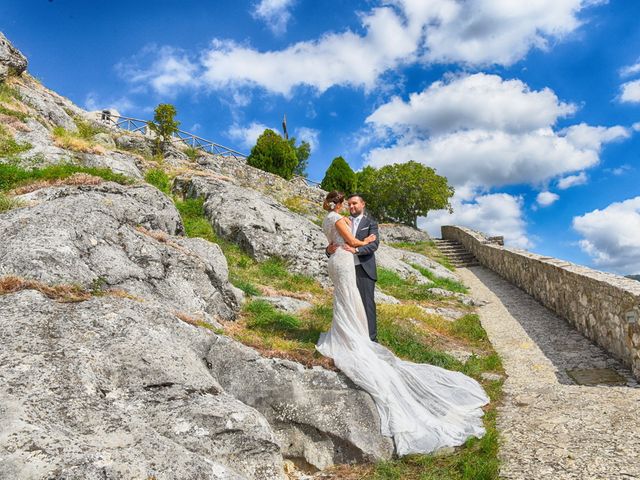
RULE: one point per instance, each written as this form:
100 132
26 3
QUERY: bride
423 407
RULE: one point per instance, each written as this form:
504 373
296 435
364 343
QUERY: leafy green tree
164 125
339 176
402 192
302 154
274 154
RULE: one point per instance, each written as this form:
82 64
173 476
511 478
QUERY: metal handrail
188 139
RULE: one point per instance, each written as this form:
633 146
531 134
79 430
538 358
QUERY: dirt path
550 427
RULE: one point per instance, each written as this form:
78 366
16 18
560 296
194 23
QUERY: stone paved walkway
550 427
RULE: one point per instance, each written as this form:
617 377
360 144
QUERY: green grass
469 327
86 129
263 316
12 176
159 179
243 269
439 282
247 287
8 203
13 113
391 283
8 146
8 93
477 460
192 153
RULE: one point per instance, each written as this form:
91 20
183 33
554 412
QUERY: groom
364 258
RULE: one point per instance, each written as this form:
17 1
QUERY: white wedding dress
423 407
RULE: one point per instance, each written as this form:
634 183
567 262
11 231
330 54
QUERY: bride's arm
345 232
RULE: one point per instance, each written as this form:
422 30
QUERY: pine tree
274 154
339 176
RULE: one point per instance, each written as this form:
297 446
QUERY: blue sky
531 109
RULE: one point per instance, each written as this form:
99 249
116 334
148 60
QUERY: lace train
423 407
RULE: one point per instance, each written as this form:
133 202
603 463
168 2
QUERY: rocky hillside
158 312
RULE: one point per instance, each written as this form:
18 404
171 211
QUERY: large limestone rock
394 232
260 225
12 62
318 416
113 236
116 388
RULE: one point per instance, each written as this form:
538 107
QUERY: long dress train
423 407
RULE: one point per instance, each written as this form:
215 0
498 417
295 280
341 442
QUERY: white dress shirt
355 223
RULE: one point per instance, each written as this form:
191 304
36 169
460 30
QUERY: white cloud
547 198
274 13
630 69
475 32
572 181
611 236
248 135
621 170
482 32
121 104
630 92
165 69
309 135
477 101
492 214
482 131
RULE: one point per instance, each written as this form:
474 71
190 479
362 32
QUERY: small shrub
193 153
164 125
159 179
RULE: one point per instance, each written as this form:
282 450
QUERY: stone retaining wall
602 306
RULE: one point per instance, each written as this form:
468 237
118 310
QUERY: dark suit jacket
366 254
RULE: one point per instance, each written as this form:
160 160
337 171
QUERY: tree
339 176
164 125
274 154
402 192
302 154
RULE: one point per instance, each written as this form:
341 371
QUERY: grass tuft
61 293
264 316
76 142
13 176
8 146
439 282
159 179
9 203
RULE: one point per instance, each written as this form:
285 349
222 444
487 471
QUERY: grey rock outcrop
116 388
318 416
12 62
286 304
137 143
381 297
394 232
114 236
259 224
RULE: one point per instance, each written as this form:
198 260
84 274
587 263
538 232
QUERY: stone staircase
456 253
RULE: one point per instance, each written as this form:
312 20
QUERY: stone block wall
602 306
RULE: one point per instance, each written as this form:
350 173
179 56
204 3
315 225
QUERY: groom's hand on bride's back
331 249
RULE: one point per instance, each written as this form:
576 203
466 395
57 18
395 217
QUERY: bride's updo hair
332 199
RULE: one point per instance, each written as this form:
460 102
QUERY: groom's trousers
367 287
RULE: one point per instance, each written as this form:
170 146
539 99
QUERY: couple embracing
422 407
